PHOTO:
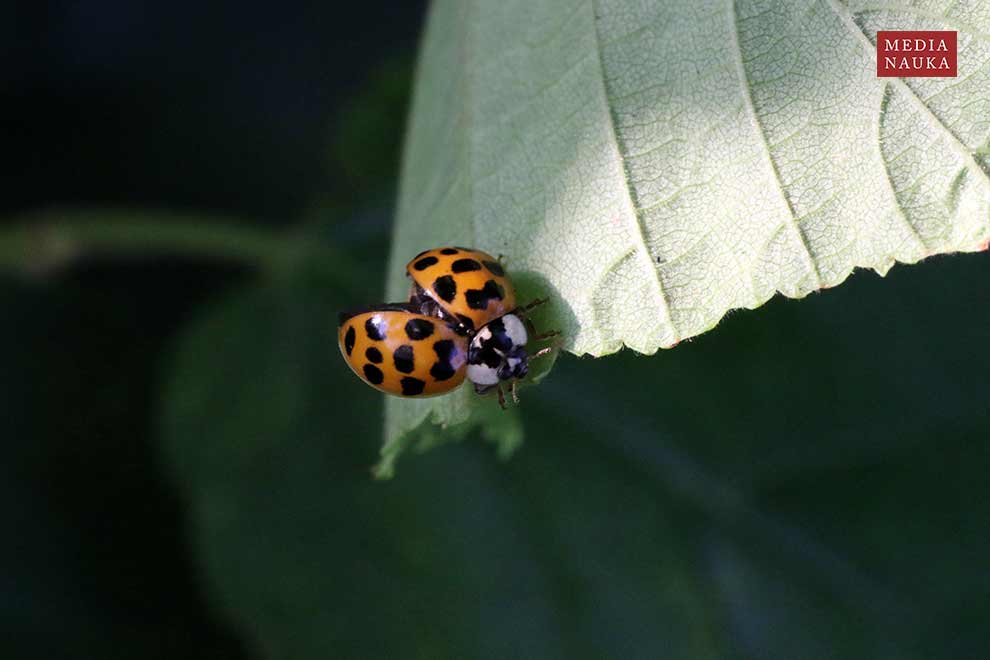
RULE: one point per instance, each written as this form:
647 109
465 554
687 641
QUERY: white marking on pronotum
482 374
515 330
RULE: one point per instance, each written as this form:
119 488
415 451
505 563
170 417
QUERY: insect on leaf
651 166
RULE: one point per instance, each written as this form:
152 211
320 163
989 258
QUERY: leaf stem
44 241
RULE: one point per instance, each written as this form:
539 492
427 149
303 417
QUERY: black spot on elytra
412 386
445 287
478 298
373 374
465 266
417 329
449 251
349 338
374 355
375 327
403 358
425 263
442 369
495 268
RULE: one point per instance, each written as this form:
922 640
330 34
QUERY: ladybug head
497 352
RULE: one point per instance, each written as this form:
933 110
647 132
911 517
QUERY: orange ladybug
469 285
397 350
461 321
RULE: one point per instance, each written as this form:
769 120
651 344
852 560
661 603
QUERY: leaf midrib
634 209
767 151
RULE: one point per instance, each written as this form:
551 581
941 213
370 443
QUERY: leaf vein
960 26
640 230
761 133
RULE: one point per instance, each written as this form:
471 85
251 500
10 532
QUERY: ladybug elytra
469 284
461 321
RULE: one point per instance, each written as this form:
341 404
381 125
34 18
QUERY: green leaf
653 166
811 484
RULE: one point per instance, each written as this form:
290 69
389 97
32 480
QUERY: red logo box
916 54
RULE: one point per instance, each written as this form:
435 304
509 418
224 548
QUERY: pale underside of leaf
659 164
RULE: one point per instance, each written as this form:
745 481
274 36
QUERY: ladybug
461 321
468 285
397 350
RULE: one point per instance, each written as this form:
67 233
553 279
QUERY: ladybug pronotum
461 321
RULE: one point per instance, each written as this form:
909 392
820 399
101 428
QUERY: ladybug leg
501 397
535 303
538 336
556 346
542 352
512 391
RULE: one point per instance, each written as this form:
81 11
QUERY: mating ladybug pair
461 321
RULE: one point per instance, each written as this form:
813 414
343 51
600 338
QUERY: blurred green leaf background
188 459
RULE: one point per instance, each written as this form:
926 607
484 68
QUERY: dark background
265 113
186 460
